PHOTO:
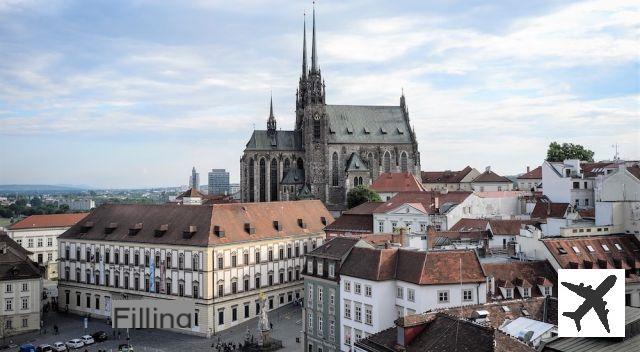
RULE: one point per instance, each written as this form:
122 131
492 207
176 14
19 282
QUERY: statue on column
264 327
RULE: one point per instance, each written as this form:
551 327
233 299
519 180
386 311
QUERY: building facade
38 234
321 310
219 182
20 290
331 149
220 257
449 180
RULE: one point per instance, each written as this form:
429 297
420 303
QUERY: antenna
616 156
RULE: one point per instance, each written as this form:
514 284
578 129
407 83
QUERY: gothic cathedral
332 149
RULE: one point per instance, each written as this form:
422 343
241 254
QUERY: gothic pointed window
334 169
273 180
316 129
300 164
355 181
252 181
263 180
403 162
386 164
287 166
360 181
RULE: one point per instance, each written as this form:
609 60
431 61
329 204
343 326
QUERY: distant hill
43 188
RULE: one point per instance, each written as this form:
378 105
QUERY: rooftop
14 261
490 177
446 176
48 221
397 182
533 174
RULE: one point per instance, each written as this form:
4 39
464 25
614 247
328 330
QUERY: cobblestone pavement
286 327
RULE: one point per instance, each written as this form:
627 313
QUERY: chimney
528 169
431 232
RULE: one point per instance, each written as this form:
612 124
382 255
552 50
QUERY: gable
407 209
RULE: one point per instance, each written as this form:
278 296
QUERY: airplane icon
592 299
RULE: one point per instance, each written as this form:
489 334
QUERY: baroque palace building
331 149
221 257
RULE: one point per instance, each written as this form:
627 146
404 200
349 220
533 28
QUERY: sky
134 93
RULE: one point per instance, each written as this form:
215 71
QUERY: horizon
132 95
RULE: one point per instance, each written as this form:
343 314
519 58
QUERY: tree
557 152
361 194
36 202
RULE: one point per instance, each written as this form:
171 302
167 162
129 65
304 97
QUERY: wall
556 187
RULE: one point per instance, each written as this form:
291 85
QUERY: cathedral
332 149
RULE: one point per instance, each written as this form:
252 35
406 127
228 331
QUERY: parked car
125 347
75 343
87 339
59 347
27 348
44 348
100 336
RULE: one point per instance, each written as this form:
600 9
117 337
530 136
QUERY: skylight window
562 250
576 249
506 309
605 247
590 248
618 246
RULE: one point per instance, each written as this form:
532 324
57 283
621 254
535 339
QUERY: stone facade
332 148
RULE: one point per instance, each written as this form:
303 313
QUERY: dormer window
546 290
249 229
382 130
189 231
110 227
277 225
400 131
323 220
508 293
349 130
159 232
218 231
366 131
526 292
302 224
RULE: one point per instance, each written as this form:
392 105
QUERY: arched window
386 162
360 180
300 164
316 129
273 180
403 162
355 181
334 169
263 180
251 180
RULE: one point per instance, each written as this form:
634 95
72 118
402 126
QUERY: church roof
367 124
356 164
282 140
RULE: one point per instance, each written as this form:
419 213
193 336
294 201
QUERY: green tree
557 152
361 194
36 202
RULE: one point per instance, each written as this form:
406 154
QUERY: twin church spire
311 86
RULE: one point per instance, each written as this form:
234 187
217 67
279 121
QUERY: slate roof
284 140
15 263
335 248
356 164
533 174
396 182
635 171
294 176
446 176
359 223
384 124
626 257
490 176
508 227
48 221
466 224
229 219
421 268
544 210
525 274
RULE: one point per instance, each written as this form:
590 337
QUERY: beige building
38 234
20 289
449 180
218 256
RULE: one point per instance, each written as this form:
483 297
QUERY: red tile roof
508 227
523 274
533 174
446 176
421 268
544 210
490 176
466 224
397 182
622 252
48 221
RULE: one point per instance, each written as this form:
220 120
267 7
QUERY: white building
20 290
39 235
531 180
618 199
80 204
379 285
489 181
220 257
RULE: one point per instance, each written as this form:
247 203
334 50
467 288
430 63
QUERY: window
25 322
347 335
590 248
246 310
547 290
234 287
30 243
220 262
386 162
245 286
320 268
443 296
309 321
347 286
234 260
467 295
332 270
8 288
220 290
320 325
25 286
576 185
525 292
586 201
332 328
25 303
576 249
367 290
394 225
270 255
380 226
310 293
347 309
257 282
196 289
181 262
316 129
403 162
357 312
49 242
368 315
399 292
320 295
8 304
234 313
357 288
257 254
8 325
245 258
509 292
221 317
195 263
334 169
411 294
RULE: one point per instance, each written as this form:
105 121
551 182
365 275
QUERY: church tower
271 122
314 124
